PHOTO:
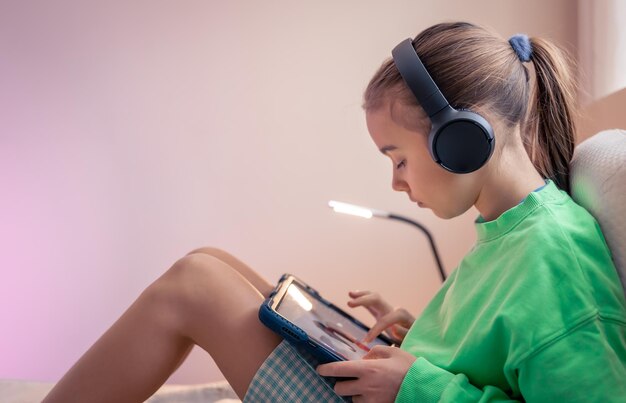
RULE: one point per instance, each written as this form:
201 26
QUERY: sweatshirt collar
487 230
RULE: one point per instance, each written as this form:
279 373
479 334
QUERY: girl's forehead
381 134
385 131
379 123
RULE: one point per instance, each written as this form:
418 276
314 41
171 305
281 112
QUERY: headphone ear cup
462 143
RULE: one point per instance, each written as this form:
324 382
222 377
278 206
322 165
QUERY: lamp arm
430 240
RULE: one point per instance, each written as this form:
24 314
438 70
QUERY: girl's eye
401 164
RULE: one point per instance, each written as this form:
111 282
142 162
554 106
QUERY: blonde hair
477 69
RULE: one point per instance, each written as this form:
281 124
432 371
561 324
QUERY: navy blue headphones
461 141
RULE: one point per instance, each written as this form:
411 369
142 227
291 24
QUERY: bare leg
252 276
200 300
257 281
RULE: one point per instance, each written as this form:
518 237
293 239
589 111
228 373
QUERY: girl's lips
419 203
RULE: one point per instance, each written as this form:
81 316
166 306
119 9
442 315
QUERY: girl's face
414 171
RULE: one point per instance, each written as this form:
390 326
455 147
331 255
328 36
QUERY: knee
189 282
211 251
208 250
194 270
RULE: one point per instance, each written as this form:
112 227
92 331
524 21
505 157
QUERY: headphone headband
417 78
461 141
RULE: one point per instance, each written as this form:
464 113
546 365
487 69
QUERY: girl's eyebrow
388 148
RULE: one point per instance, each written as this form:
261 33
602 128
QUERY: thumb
379 352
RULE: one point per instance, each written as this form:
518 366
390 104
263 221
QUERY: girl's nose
399 185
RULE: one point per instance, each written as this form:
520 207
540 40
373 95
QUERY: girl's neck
508 181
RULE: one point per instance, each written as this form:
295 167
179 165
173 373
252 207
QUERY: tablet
300 315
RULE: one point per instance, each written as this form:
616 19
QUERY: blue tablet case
294 334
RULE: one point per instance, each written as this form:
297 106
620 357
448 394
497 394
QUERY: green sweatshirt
534 312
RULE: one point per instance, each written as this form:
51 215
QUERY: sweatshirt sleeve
587 364
425 382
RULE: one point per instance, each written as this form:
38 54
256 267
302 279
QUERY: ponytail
475 67
549 136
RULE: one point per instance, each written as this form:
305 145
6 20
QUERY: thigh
218 310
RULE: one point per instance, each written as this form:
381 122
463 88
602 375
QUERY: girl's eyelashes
401 164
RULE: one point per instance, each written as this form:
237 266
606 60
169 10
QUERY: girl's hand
379 374
395 322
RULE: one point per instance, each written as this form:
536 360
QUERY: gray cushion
598 183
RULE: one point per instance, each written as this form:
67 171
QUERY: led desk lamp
366 212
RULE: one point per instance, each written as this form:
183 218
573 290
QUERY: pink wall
132 132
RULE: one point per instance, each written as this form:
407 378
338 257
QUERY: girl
534 312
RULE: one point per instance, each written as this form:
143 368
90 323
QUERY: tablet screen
324 324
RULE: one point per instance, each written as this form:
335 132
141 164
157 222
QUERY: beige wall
601 47
605 113
135 131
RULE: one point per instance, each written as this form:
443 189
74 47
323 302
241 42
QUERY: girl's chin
446 215
439 213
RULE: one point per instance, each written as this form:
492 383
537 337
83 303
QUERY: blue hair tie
522 47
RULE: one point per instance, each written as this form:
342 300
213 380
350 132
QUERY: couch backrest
598 183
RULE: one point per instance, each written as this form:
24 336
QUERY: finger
371 301
378 352
374 311
347 388
403 324
400 332
341 369
407 319
357 293
396 333
367 296
382 324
